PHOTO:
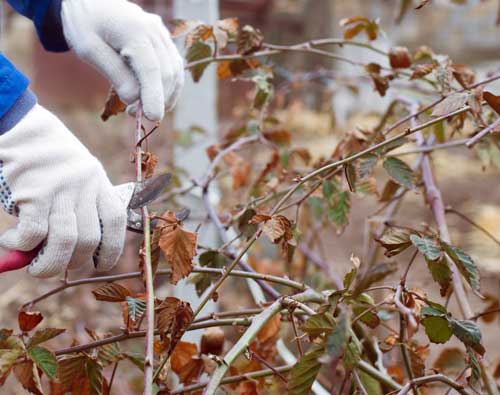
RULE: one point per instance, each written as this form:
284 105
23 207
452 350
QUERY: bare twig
435 200
138 334
150 296
434 378
164 272
473 223
488 129
234 379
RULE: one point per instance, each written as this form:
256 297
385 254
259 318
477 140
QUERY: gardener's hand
131 47
62 196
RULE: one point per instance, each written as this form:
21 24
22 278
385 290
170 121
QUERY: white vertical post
197 106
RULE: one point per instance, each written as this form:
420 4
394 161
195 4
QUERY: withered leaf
278 228
240 169
28 320
358 24
111 292
27 374
113 106
173 317
451 103
492 100
186 363
421 70
235 68
399 58
178 245
43 335
182 26
250 40
270 330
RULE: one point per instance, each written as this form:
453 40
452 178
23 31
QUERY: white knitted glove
131 47
62 196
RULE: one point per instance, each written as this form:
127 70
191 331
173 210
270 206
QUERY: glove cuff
19 109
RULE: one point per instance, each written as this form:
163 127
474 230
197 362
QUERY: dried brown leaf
113 106
28 320
178 245
240 169
492 100
186 363
111 292
27 374
399 58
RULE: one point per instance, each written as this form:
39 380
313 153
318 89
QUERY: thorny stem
164 272
308 177
433 378
138 334
435 200
404 351
150 296
234 379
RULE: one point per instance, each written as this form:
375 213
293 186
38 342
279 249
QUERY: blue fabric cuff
49 27
19 109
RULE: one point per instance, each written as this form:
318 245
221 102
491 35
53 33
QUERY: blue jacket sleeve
15 97
46 15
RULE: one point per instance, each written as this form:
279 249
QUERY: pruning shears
145 193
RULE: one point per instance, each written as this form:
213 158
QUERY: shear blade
148 191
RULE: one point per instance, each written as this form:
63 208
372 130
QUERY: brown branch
434 378
487 130
138 334
233 379
164 272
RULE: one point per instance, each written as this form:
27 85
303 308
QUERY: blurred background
319 101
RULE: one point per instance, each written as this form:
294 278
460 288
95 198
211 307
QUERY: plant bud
212 341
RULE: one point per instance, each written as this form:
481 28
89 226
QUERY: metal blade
148 191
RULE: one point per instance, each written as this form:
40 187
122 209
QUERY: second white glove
131 47
62 196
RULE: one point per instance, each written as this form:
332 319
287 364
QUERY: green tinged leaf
374 274
435 310
317 206
350 277
362 309
427 247
45 360
352 354
319 324
371 385
136 308
304 372
198 51
328 189
43 335
395 240
465 264
439 132
337 341
437 329
399 171
213 259
475 375
70 369
93 370
441 273
339 207
391 146
366 164
7 359
468 333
